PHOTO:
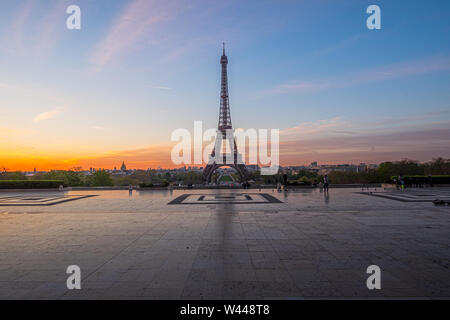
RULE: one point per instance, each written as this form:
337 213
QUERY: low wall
375 185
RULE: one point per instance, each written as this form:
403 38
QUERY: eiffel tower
233 160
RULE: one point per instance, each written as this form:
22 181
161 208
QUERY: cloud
51 27
420 145
152 156
301 86
37 93
47 115
317 141
7 86
138 20
10 131
161 88
45 28
335 140
388 72
420 137
314 128
338 46
18 26
320 141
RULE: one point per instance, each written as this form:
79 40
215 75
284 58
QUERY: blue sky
138 69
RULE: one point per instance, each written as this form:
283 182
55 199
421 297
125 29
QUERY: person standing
325 183
285 179
402 182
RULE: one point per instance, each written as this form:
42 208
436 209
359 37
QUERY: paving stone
306 247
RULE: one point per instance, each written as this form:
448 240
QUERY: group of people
414 182
283 186
246 185
280 187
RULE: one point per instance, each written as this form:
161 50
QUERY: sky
137 70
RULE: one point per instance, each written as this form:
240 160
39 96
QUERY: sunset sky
139 69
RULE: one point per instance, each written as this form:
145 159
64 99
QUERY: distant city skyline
124 167
137 70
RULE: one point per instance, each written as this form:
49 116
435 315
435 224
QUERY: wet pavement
216 244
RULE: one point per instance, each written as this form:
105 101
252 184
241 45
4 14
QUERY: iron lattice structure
233 160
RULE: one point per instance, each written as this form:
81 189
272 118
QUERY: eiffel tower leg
208 171
242 171
239 167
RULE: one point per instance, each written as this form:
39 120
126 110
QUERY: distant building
314 164
123 167
362 167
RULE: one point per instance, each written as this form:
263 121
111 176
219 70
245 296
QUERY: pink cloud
337 140
44 29
51 28
420 145
18 26
47 115
388 72
314 128
138 19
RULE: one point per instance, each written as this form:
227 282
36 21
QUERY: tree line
384 172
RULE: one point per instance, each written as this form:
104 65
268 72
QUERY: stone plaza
225 244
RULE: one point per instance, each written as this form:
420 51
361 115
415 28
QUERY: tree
410 167
12 176
70 178
438 166
385 171
100 178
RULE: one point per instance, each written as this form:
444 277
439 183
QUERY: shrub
420 179
30 184
124 181
165 183
303 181
70 178
145 185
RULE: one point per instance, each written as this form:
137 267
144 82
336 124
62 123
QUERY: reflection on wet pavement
312 245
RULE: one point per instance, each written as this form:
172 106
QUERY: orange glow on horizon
292 153
151 157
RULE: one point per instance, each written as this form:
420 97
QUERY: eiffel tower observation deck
225 126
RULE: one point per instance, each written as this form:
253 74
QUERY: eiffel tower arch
234 159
